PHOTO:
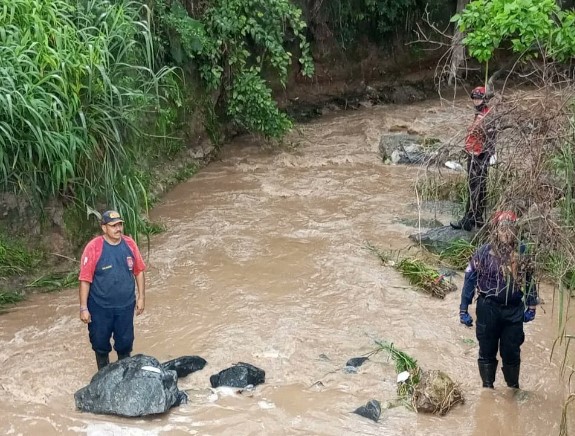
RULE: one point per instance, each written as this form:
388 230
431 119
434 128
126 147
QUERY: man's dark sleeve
469 283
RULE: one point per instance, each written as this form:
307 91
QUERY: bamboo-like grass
77 85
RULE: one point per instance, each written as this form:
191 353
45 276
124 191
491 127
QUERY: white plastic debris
454 165
402 376
151 369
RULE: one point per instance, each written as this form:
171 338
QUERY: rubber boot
511 375
102 359
123 355
464 223
487 372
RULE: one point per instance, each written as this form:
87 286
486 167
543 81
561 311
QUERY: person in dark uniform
480 148
502 274
112 288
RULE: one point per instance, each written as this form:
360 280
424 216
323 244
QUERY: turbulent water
265 261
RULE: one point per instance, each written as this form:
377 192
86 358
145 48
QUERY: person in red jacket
480 147
111 269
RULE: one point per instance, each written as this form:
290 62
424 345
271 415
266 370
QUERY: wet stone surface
239 376
136 386
371 410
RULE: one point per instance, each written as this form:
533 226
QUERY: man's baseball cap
111 217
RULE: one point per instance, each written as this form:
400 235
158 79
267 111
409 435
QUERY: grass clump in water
458 253
423 391
425 277
417 272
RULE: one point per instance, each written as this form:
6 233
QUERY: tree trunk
457 49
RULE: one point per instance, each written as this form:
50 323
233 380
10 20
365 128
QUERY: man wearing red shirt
480 147
111 265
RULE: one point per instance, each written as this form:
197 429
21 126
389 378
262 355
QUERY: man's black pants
477 167
499 328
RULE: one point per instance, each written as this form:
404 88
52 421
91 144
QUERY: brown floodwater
264 261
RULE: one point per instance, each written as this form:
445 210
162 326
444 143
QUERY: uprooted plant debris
425 391
418 273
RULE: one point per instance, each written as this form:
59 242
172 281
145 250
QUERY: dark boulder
239 376
135 386
372 410
184 365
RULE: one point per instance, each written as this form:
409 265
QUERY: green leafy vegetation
234 44
525 26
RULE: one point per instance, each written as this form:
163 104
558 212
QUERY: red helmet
504 216
479 93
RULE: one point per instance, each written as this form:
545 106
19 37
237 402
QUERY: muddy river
265 261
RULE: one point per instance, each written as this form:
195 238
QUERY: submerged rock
405 149
185 365
356 362
136 386
439 239
372 410
239 376
436 393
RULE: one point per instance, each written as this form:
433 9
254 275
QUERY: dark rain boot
465 223
511 375
123 355
102 359
487 372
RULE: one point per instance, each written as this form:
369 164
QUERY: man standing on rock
502 273
110 266
480 147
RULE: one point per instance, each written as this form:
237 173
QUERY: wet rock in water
439 239
350 369
426 223
436 393
356 362
185 365
136 386
372 410
239 376
405 149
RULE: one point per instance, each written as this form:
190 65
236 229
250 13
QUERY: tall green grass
77 88
15 259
